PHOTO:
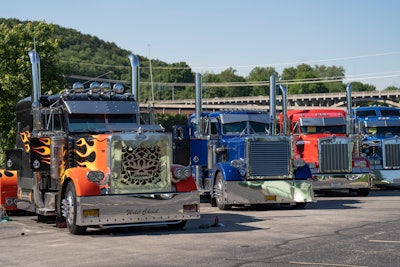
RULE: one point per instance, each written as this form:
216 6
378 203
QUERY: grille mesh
392 156
334 157
269 158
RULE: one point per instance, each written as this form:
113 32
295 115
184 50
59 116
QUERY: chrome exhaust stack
36 89
349 124
272 106
135 75
284 109
199 108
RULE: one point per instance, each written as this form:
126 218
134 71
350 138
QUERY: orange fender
8 188
83 186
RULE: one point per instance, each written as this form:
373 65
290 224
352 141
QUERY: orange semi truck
84 157
323 138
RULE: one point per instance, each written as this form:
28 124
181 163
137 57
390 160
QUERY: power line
242 66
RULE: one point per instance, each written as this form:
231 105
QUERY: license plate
270 198
91 213
335 185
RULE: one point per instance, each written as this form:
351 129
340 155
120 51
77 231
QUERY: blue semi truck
380 127
238 159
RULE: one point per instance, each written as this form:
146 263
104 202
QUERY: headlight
182 173
298 163
374 162
238 163
312 165
360 164
95 176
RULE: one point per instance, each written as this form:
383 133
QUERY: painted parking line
384 241
324 264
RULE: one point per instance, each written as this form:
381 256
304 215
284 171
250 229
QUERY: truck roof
312 113
237 116
376 111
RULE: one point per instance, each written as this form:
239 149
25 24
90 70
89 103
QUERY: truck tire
220 193
178 225
363 192
69 210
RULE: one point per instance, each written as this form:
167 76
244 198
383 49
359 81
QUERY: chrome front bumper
342 181
136 209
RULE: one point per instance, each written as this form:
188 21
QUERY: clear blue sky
363 36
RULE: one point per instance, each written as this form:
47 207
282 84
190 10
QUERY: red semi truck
323 138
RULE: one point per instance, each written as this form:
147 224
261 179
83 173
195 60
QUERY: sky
362 36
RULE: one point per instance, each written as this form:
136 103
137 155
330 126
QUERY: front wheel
301 205
69 210
220 193
178 225
363 192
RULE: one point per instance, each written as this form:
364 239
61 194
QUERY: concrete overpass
331 100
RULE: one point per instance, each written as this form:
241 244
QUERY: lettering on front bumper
141 211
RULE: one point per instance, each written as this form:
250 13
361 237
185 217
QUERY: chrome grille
334 155
269 159
139 165
391 155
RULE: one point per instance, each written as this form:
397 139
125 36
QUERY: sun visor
322 121
231 118
101 107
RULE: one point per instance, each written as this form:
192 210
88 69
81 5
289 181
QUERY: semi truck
324 139
239 159
380 128
84 158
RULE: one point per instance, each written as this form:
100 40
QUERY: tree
15 70
229 75
391 88
260 74
334 75
303 80
360 87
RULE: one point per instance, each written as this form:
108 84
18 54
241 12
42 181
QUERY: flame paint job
25 136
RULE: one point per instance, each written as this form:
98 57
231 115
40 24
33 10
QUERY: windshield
101 123
383 131
242 127
332 129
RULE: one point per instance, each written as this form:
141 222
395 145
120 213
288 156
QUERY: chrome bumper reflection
386 178
268 192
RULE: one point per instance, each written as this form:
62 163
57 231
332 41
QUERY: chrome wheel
220 193
69 208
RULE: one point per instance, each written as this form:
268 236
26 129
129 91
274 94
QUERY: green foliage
361 87
169 120
17 39
260 74
391 88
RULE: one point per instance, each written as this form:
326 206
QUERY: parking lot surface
338 230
